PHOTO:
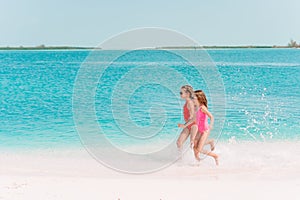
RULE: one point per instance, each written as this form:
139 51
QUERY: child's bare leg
209 153
197 138
180 141
200 145
211 142
194 131
202 141
182 137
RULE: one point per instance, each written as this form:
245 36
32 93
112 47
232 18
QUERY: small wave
257 64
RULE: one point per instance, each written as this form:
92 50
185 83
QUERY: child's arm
212 119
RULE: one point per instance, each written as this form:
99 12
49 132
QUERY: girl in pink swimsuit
203 127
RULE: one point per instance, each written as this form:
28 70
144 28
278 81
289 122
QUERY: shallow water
262 90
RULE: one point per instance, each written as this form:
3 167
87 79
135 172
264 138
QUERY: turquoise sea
262 90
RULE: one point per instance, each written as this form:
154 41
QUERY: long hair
201 97
189 89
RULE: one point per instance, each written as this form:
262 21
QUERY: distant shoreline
225 47
175 47
46 48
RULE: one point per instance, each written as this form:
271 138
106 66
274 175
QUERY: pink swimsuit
201 119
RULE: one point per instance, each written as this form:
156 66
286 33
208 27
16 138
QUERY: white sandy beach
269 170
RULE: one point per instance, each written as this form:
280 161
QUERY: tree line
293 43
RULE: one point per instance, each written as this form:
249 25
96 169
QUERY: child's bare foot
197 154
217 160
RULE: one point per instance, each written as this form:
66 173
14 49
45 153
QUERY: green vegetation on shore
222 47
179 47
43 47
291 44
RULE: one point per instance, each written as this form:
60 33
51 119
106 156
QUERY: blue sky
89 22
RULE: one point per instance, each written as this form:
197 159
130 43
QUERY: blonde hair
189 89
201 97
